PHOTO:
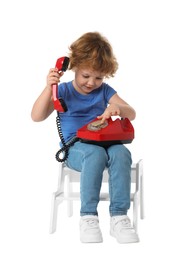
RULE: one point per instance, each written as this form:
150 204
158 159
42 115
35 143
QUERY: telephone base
119 131
105 144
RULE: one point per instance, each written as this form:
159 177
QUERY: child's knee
98 152
119 152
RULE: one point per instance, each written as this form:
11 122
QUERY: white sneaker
122 230
89 229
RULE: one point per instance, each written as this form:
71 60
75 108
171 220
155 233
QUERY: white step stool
66 177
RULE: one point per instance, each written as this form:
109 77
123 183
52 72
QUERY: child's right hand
53 77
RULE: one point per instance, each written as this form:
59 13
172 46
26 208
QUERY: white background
33 35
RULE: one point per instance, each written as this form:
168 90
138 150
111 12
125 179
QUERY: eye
85 76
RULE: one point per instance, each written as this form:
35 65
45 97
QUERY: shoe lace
125 222
92 222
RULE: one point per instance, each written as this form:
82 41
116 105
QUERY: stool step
104 196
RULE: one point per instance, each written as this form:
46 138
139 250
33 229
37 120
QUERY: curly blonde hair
93 51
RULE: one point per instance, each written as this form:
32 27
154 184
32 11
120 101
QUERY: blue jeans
90 160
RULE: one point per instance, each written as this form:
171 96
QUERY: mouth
88 88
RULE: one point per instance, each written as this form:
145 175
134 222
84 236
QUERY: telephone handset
59 104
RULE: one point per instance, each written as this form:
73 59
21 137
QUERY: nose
90 82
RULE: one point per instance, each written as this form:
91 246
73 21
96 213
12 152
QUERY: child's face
87 80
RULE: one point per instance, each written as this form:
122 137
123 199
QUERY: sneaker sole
91 239
124 240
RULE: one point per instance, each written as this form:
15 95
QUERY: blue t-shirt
81 108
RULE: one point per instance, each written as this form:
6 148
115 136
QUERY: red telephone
119 131
59 104
107 133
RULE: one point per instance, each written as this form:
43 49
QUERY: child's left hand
111 110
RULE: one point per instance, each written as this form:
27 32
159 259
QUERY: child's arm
118 107
43 106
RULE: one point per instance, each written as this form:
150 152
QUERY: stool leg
56 200
142 214
141 189
53 218
69 192
135 211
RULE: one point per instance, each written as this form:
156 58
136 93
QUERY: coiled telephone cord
66 146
